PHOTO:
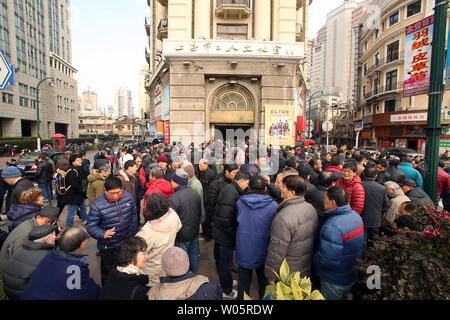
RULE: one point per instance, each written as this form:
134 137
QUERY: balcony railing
147 55
147 25
162 28
233 9
394 87
395 58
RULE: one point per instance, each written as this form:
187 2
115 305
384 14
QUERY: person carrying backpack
61 189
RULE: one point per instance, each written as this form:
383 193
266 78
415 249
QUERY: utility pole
435 99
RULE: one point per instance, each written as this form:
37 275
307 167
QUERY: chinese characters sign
409 117
232 48
279 125
418 57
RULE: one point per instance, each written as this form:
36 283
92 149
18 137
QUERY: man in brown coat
128 178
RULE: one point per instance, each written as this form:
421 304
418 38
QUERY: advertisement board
166 104
419 36
279 125
160 130
167 132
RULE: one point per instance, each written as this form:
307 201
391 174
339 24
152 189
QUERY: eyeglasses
118 193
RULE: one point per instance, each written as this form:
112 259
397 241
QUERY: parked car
400 152
368 149
28 164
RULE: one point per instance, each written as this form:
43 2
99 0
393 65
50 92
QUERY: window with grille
232 97
392 51
413 8
393 19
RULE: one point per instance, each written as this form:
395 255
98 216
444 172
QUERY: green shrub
414 265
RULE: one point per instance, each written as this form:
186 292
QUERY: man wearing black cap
417 195
13 177
20 267
17 237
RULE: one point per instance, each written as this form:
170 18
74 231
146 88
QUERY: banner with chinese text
419 36
279 125
167 132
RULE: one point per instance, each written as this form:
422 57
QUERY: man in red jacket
443 183
352 183
158 184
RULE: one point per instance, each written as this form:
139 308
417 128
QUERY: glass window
389 106
377 59
392 51
365 69
393 19
413 8
391 80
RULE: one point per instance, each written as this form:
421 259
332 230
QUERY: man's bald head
72 239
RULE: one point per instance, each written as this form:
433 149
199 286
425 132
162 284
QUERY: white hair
392 185
42 240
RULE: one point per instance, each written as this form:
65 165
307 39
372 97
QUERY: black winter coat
124 286
17 189
206 178
187 204
213 191
225 215
417 195
75 195
20 267
169 173
44 172
85 169
393 174
376 203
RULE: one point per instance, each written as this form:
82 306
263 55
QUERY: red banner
167 132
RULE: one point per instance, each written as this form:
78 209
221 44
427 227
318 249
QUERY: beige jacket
178 290
394 210
160 235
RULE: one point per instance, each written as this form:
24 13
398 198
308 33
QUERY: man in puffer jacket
112 219
352 183
410 172
20 267
255 214
43 176
340 245
293 231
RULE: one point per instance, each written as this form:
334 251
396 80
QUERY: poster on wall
160 130
279 125
166 104
419 36
153 129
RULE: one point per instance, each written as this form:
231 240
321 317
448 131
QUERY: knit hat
11 172
162 159
41 231
180 177
189 168
175 262
51 212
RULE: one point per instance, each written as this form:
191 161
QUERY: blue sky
109 39
108 43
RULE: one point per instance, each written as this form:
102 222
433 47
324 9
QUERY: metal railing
397 57
384 89
233 2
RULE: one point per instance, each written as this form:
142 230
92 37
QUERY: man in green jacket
195 184
96 180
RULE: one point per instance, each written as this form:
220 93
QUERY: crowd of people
147 208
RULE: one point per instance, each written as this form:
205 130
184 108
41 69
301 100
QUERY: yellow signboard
280 129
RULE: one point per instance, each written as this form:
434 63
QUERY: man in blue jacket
410 172
112 219
341 244
63 274
255 213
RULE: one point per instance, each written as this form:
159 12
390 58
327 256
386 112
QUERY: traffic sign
327 126
5 71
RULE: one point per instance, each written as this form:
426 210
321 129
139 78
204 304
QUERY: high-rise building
218 64
124 105
35 36
89 103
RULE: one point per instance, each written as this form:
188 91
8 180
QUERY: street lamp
309 114
37 110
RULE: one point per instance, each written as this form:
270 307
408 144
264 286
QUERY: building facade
216 64
94 125
389 118
35 36
89 104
